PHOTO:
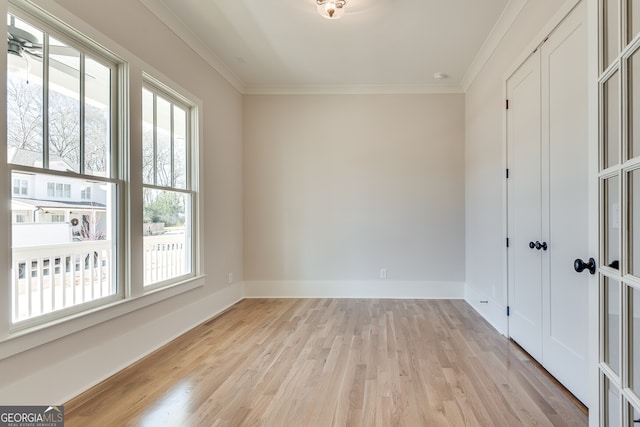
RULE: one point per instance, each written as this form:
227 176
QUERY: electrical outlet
383 273
230 278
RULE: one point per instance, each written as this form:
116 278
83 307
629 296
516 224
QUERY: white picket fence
53 277
164 257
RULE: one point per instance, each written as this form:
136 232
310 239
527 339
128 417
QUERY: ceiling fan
20 41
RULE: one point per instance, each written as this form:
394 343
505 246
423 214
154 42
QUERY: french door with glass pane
619 189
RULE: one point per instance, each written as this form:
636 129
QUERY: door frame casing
593 43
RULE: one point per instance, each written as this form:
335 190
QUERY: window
57 217
60 113
85 193
68 147
58 190
20 187
168 190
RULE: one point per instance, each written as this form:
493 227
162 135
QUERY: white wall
337 187
55 372
485 153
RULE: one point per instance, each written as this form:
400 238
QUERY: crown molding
164 14
350 89
508 16
499 30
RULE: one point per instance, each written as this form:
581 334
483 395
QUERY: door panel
565 227
524 193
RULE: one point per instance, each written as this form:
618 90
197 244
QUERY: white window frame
135 296
85 193
57 190
22 186
191 179
56 187
57 218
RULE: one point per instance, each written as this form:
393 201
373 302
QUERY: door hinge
507 173
507 242
506 104
508 311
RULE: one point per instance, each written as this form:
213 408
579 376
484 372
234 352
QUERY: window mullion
172 149
155 139
189 151
45 101
82 113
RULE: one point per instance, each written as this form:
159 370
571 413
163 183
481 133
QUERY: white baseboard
74 363
354 289
493 311
202 311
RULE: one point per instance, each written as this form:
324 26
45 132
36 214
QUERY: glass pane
611 318
634 222
64 106
634 104
24 94
611 404
163 144
634 336
611 109
611 31
612 222
634 421
97 117
62 250
179 147
633 12
148 163
167 235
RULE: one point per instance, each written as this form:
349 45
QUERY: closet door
564 203
548 206
524 201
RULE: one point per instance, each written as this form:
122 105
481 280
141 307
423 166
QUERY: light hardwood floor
333 362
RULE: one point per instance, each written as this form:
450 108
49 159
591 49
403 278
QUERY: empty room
320 212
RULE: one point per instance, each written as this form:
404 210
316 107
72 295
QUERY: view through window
59 149
168 196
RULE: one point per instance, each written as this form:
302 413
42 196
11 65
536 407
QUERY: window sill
21 340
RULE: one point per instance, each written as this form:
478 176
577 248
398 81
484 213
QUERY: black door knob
542 246
579 265
537 245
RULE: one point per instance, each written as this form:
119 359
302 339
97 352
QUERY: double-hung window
81 218
61 114
58 190
20 187
168 188
85 193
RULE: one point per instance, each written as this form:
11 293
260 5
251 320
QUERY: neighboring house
60 208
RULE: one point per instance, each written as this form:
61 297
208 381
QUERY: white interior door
565 302
524 201
548 204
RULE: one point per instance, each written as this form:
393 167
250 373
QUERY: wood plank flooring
333 362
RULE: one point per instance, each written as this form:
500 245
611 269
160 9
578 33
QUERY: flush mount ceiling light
331 9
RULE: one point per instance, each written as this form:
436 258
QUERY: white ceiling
276 46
